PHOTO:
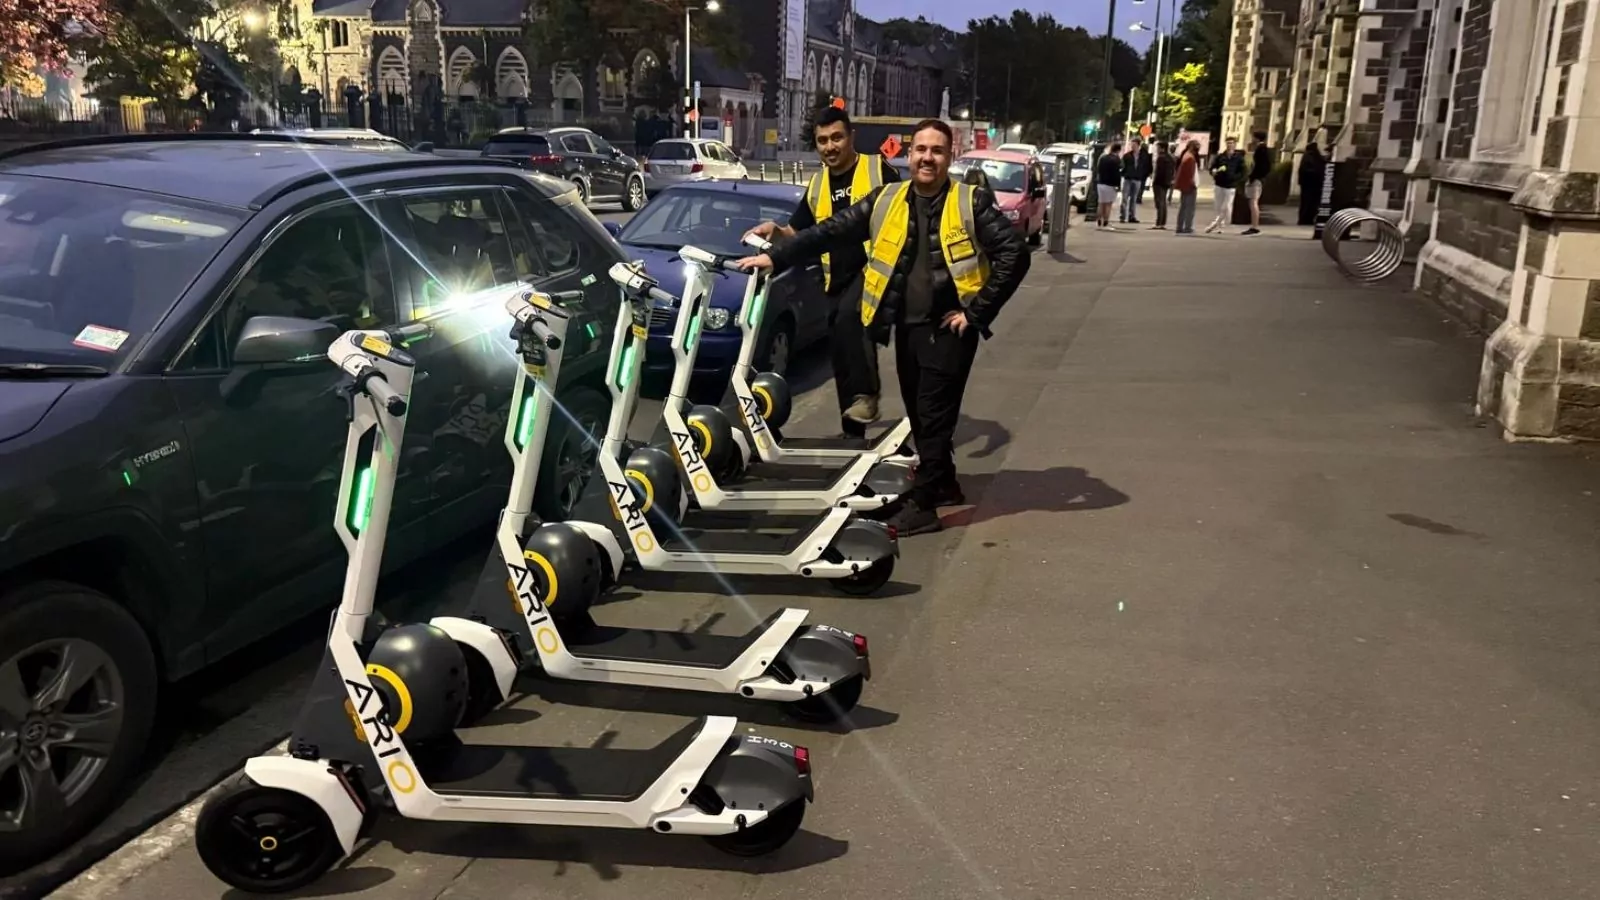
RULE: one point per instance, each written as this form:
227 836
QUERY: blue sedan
714 216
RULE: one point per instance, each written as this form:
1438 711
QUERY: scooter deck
741 543
682 648
787 477
860 445
550 773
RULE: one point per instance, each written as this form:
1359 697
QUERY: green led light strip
625 369
361 507
530 409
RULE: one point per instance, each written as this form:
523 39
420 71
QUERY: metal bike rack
1383 256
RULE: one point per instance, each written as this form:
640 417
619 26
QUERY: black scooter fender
754 773
823 653
887 479
864 539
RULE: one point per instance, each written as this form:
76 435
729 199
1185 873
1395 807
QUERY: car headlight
1013 214
718 318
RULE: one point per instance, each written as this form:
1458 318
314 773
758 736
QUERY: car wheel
583 190
777 350
571 451
77 699
635 198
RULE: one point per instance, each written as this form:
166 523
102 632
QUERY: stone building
910 80
1260 59
1478 128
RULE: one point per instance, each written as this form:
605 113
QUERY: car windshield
671 150
1004 177
712 219
516 145
86 270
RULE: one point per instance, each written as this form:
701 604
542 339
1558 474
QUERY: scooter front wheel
767 837
830 705
868 580
265 840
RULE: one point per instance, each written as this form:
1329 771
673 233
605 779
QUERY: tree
587 31
1177 108
808 126
38 34
1032 68
147 52
1202 36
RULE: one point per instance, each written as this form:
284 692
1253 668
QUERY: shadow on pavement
335 884
1060 489
994 435
606 851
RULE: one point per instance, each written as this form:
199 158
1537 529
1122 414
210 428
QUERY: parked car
359 138
601 172
1018 183
714 215
170 442
1029 149
676 160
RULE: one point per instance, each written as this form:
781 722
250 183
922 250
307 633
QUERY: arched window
826 82
646 71
810 82
393 77
511 74
461 65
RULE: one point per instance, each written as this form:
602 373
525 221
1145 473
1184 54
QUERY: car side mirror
615 153
613 229
424 147
266 340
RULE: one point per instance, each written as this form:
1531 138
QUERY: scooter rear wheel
867 580
830 705
767 837
265 840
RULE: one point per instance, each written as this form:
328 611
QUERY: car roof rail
100 140
417 161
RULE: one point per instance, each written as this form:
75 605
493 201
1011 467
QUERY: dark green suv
169 461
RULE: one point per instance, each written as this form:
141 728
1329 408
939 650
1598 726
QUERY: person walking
1187 182
1107 177
847 178
1165 171
1313 168
1227 170
1130 183
943 261
1261 162
1145 169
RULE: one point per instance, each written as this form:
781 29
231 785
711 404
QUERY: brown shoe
863 409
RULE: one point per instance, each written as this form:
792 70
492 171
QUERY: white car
676 160
1030 149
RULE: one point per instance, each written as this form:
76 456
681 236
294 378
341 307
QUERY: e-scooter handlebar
711 260
405 334
757 242
370 381
544 334
637 283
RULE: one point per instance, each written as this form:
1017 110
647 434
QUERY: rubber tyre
562 478
633 196
765 838
583 190
56 609
483 695
216 837
867 582
831 705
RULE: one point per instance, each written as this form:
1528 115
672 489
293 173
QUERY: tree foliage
808 125
1178 108
1202 37
591 31
39 34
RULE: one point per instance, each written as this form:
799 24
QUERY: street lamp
710 6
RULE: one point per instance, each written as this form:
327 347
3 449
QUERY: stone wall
1479 221
1471 60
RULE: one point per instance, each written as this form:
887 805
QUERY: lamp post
1091 202
689 103
1162 39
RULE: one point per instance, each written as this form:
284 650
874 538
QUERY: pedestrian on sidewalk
1107 177
1188 185
1261 162
1130 183
1227 170
1166 170
848 177
943 261
1311 172
1145 170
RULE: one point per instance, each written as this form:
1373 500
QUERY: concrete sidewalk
1248 607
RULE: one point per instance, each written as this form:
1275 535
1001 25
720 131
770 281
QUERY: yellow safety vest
868 178
891 224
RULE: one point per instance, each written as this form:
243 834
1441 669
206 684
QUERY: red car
1018 182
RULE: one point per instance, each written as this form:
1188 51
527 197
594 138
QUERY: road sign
1145 130
890 147
838 103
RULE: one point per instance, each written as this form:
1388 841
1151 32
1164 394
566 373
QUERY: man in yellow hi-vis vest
942 262
848 178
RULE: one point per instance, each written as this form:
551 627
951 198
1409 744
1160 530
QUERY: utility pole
1091 202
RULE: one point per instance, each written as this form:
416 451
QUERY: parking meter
1060 205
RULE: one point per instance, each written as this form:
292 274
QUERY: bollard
763 173
1060 205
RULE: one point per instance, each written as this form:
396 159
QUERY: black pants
855 357
933 364
1310 199
1163 195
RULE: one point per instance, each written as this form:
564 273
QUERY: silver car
676 160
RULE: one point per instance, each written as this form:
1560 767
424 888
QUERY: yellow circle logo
763 440
401 777
644 541
702 482
548 642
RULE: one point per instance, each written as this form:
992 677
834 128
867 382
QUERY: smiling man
941 262
848 178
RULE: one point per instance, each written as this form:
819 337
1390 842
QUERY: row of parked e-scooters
378 733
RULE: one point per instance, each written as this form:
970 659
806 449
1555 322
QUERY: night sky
1088 14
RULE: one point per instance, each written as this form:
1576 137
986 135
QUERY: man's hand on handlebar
752 263
770 230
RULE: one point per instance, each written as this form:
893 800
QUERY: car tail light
697 167
894 533
802 760
860 641
544 158
647 165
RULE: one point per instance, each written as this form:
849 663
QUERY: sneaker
863 409
913 518
1251 231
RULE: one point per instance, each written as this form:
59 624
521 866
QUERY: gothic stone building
1482 127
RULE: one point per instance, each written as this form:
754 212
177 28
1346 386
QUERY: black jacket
1146 164
1166 170
1008 257
1227 169
1109 170
1130 166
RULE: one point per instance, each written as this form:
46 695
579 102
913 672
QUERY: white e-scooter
818 670
704 438
377 731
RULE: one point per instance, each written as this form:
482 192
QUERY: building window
1520 38
339 34
613 87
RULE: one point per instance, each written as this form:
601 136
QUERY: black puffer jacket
1008 256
